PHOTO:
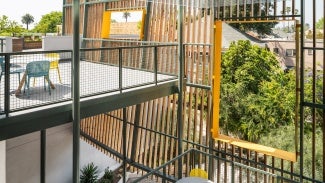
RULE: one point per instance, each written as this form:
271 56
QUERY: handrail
133 62
233 164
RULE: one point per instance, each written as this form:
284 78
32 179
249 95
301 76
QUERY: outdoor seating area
47 80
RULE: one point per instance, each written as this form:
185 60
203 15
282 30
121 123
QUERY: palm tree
126 15
27 19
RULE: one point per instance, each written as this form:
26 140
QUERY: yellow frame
106 23
285 155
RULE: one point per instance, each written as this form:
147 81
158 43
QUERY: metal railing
103 71
233 166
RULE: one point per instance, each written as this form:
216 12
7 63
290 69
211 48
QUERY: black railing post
7 85
43 156
75 70
120 84
155 58
180 87
124 143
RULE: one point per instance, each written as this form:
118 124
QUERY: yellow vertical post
216 78
106 24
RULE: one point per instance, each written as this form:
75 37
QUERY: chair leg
59 75
44 84
48 84
18 78
28 81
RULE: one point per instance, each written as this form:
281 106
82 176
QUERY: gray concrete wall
23 157
2 161
57 43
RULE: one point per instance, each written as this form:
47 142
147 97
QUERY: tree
260 27
126 15
8 27
4 23
49 22
27 19
14 28
320 23
256 95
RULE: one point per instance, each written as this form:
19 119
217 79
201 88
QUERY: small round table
193 180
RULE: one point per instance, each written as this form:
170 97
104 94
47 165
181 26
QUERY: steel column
76 90
302 93
180 85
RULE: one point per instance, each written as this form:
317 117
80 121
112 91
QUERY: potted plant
89 173
108 177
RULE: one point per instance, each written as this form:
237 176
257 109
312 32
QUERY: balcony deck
95 78
116 82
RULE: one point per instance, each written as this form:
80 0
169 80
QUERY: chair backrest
38 68
197 172
54 59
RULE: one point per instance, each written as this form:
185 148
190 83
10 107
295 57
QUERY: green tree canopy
49 22
27 19
261 28
320 23
8 27
4 23
256 95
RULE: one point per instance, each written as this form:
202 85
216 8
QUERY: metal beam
180 85
75 70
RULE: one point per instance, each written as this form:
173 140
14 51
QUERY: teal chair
14 69
37 69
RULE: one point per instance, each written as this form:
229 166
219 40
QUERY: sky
15 9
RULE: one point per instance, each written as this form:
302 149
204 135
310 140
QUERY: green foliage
283 138
27 19
9 28
256 95
108 177
320 23
89 173
49 22
261 27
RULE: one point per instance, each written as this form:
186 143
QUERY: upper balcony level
110 78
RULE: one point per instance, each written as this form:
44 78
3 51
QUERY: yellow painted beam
216 78
106 24
285 155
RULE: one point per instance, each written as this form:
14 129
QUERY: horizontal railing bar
197 44
199 86
128 41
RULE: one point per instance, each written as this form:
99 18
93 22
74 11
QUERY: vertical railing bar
232 172
7 85
43 157
155 64
124 143
1 45
164 173
120 69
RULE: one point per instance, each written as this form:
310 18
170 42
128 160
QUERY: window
276 50
290 52
310 51
127 24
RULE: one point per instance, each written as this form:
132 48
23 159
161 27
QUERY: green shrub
108 177
89 173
